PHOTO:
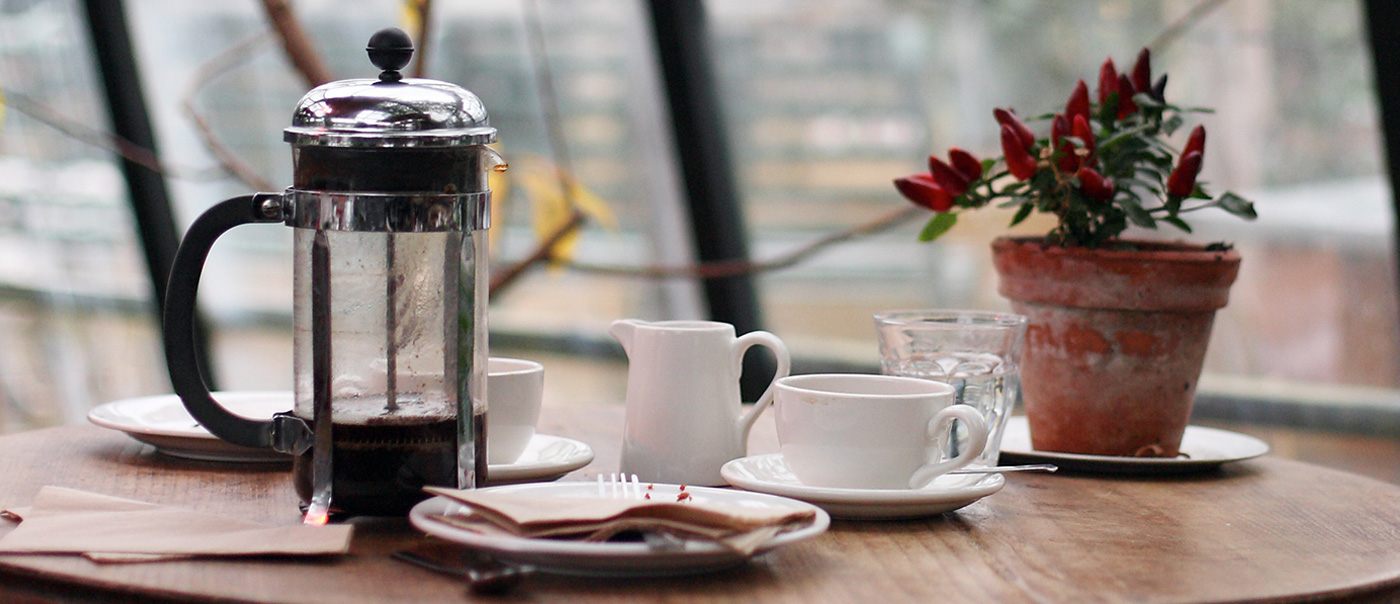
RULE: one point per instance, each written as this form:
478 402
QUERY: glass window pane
75 325
828 102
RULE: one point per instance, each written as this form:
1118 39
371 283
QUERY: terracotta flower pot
1116 340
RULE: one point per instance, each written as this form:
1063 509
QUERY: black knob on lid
390 49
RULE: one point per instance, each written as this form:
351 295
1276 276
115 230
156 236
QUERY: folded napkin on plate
106 528
741 528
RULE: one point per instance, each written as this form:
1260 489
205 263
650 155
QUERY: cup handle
741 345
943 421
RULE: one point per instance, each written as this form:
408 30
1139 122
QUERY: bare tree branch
103 139
730 268
1193 16
220 64
299 49
541 254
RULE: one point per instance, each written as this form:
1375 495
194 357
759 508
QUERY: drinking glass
978 353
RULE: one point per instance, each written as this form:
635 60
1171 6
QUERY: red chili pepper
1126 105
924 192
1182 180
1059 128
1068 162
1108 80
1018 160
1142 72
1159 90
946 176
1078 103
1083 132
1094 184
1023 133
1196 142
965 163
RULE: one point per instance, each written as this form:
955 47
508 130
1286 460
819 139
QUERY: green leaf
1121 137
938 225
1170 124
1108 110
1136 214
1178 223
1022 213
1237 205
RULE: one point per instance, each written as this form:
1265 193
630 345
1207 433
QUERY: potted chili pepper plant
1118 326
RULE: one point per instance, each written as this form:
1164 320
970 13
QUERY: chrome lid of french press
390 154
389 112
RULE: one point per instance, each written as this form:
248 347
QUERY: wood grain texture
1264 530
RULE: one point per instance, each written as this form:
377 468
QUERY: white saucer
613 558
163 421
770 474
1202 448
545 458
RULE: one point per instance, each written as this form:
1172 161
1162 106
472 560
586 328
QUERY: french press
390 205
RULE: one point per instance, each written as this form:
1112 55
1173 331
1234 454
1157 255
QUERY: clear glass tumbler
976 352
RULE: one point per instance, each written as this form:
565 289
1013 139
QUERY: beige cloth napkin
741 528
112 529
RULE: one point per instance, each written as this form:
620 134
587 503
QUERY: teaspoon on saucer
1032 467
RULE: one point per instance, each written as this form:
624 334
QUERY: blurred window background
823 103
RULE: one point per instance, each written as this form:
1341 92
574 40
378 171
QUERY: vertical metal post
712 194
1382 16
150 204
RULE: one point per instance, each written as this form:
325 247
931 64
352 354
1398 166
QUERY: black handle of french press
178 328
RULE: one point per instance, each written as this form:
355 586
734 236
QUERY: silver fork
619 486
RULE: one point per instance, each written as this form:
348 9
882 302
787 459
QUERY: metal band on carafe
388 212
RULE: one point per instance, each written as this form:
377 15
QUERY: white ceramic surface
1202 449
684 418
163 421
514 389
613 558
544 458
770 474
848 430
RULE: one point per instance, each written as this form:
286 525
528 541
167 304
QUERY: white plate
770 474
1203 448
545 458
613 558
163 421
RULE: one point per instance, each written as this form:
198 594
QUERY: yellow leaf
551 209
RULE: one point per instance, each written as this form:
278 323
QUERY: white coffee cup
865 431
514 388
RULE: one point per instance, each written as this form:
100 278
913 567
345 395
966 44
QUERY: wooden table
1265 530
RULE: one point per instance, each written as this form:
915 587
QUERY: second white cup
514 388
865 431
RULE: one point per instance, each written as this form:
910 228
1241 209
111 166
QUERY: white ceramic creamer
684 416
